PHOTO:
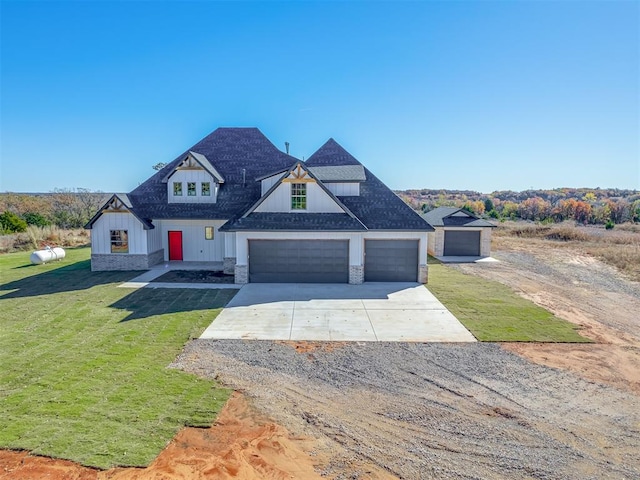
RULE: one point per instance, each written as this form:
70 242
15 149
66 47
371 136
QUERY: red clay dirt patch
304 346
240 445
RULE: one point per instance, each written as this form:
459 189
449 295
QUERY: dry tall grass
36 238
619 247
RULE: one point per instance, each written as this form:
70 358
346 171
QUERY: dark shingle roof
443 217
377 206
232 150
330 154
229 150
294 221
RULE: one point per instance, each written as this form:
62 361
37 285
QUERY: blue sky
480 95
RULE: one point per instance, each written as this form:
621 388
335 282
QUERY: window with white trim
205 189
208 233
191 189
177 189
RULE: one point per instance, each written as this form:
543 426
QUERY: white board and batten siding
230 244
269 182
197 176
317 200
344 189
154 239
195 247
101 233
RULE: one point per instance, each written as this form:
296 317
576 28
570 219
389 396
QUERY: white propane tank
47 255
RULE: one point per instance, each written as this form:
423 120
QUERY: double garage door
327 261
461 244
299 261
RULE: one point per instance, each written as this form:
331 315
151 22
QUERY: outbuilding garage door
461 244
299 261
391 260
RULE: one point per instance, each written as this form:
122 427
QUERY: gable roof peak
199 159
332 153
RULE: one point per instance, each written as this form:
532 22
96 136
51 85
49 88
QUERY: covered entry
391 260
299 261
459 243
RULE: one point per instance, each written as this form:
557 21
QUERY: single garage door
391 260
299 261
461 244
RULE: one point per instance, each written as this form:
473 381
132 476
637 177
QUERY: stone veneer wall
423 274
431 243
356 274
485 242
438 244
156 257
228 265
119 261
241 273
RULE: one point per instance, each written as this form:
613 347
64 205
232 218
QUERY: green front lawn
84 364
492 312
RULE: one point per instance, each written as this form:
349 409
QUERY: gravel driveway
472 411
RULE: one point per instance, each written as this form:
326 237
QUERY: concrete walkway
454 259
391 312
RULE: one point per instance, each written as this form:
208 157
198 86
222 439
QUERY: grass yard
492 312
84 372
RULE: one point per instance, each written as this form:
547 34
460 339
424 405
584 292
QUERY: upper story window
177 189
205 190
191 189
298 196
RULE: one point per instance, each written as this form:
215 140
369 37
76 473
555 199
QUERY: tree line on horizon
73 208
65 208
583 205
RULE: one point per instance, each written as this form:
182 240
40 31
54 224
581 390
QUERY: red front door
175 245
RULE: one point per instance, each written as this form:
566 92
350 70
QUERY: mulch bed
194 276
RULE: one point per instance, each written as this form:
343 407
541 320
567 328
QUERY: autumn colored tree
569 207
509 209
583 212
619 210
475 207
534 209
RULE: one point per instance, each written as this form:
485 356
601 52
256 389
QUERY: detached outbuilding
458 233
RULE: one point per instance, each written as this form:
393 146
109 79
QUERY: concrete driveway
389 312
